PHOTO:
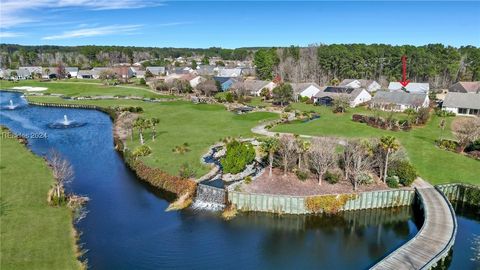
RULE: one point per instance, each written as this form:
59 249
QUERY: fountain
11 106
65 123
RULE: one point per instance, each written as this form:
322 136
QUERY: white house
462 103
356 96
195 81
369 85
305 89
72 72
411 87
399 101
255 87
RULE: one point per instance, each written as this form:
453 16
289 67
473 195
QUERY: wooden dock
434 240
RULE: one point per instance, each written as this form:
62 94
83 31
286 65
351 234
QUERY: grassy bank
73 88
33 234
199 125
433 164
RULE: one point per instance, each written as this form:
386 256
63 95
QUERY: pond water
126 226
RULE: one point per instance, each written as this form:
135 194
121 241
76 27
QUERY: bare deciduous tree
322 156
287 149
207 87
62 171
359 161
467 131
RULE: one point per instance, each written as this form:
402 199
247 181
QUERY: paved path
434 239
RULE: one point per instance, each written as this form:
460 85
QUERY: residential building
465 87
305 89
369 85
399 101
85 74
255 87
156 71
33 70
462 103
229 72
196 80
410 88
355 96
207 70
225 82
71 72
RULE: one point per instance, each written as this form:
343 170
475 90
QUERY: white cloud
17 12
4 34
96 31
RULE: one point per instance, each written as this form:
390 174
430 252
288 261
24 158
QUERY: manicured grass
199 125
73 88
33 234
433 164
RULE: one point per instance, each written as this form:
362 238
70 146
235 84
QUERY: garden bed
291 185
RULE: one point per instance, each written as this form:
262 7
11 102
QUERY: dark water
127 227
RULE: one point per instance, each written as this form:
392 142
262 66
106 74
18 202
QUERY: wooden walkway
434 240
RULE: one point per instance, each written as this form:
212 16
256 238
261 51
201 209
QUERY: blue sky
237 24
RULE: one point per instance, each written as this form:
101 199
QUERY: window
462 111
474 111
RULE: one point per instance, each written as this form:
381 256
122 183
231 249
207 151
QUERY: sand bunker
30 88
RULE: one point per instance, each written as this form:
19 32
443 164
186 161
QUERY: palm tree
269 146
389 144
153 123
141 124
303 147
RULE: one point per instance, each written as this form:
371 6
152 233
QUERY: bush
142 151
185 171
474 146
142 81
229 97
332 177
392 181
248 180
447 144
237 157
365 179
422 116
442 113
301 175
405 172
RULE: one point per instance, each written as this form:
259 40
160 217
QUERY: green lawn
199 125
33 234
73 88
433 164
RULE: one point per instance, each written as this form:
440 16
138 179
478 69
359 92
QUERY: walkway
434 240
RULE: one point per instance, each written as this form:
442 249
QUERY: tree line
436 64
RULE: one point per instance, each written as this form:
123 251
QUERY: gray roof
71 69
465 87
255 85
300 87
352 95
156 70
462 100
363 83
400 97
206 70
34 69
411 87
85 72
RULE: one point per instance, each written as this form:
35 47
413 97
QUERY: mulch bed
290 185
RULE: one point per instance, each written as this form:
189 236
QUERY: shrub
365 179
186 171
405 172
237 157
229 97
332 177
447 144
422 116
301 175
474 146
392 181
327 203
442 113
248 180
142 151
142 81
288 109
